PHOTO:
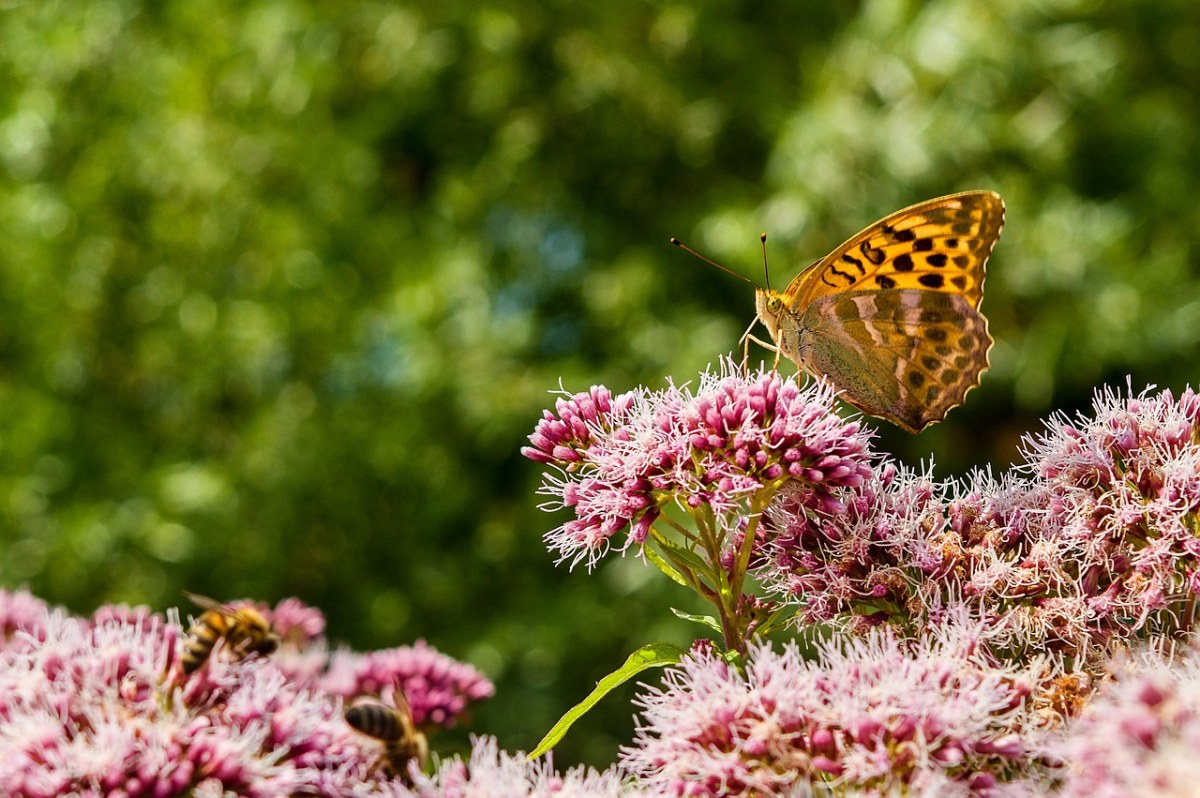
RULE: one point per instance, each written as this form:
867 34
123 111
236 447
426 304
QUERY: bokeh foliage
284 284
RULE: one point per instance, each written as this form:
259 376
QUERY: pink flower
1124 490
565 438
438 688
1139 736
737 439
862 551
1091 542
873 714
492 773
101 708
297 623
20 611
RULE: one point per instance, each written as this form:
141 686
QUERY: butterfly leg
745 342
748 338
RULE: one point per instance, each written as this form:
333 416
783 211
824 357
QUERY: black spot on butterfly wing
872 254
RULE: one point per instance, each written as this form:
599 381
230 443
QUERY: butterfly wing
891 316
940 245
905 355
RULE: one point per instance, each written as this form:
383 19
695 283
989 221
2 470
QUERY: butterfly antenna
709 261
766 272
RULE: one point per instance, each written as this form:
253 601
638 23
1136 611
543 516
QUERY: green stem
721 599
757 506
741 564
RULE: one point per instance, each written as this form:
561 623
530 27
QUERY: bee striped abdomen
201 638
249 633
376 720
402 742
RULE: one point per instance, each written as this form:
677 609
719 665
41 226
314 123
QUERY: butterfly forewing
939 245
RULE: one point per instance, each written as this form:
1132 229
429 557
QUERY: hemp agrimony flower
101 707
862 552
1139 736
1092 541
492 773
873 715
687 476
1124 489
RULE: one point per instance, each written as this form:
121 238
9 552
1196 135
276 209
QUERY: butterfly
891 317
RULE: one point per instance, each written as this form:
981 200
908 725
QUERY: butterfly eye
774 304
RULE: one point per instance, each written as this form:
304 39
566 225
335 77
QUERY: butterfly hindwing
905 355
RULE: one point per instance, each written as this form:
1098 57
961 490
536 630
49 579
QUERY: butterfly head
771 308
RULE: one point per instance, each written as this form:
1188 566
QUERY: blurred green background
284 285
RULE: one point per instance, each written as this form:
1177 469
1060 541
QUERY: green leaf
779 616
683 555
654 655
703 620
666 567
734 658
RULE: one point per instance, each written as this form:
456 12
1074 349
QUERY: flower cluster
438 688
1124 488
1097 541
723 450
863 554
101 707
1139 735
983 609
492 773
20 611
1090 543
1094 539
876 715
297 623
1005 555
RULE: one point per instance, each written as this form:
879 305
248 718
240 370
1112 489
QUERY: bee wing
400 699
205 603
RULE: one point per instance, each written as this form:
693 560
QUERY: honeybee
245 631
394 727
